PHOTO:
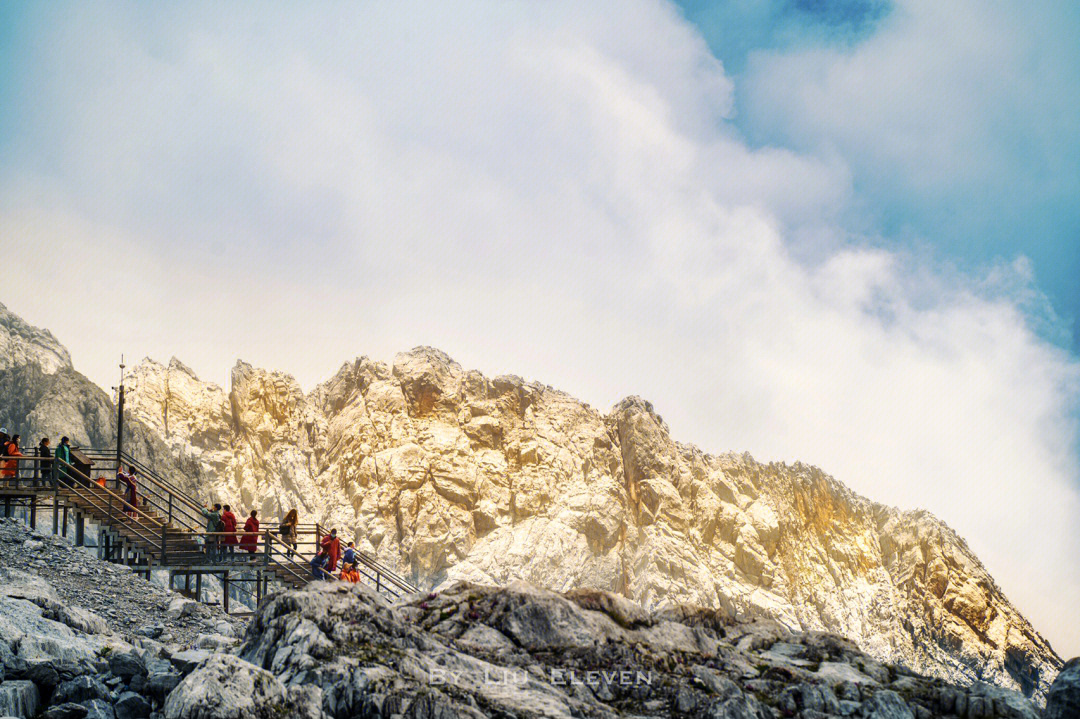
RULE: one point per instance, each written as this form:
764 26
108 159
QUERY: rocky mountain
42 395
448 475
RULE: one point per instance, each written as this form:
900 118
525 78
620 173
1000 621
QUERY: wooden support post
55 514
7 506
64 531
198 586
33 512
80 528
225 591
258 588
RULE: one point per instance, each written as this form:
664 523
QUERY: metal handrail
372 564
89 491
181 506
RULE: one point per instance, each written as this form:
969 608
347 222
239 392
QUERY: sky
844 233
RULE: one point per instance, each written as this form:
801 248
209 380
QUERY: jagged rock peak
23 344
448 475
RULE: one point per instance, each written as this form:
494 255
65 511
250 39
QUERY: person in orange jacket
349 573
12 450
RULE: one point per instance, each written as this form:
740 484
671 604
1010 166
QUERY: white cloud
548 190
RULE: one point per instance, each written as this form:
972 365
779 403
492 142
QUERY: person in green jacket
63 455
213 524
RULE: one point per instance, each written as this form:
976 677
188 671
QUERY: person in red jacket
228 524
251 533
332 545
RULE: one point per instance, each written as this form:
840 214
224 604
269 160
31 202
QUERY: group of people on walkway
41 470
11 450
325 563
222 539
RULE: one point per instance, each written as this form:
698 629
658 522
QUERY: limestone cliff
447 474
42 395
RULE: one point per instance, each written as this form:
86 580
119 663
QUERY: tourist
44 452
349 555
288 531
11 466
228 524
63 460
332 545
251 533
349 573
5 440
125 483
213 525
318 565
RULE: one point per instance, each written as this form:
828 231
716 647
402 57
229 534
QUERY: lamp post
120 417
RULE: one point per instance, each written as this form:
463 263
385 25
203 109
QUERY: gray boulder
1063 700
131 706
1002 703
887 704
153 631
18 584
158 685
68 710
19 698
77 618
126 665
227 687
80 689
186 661
99 709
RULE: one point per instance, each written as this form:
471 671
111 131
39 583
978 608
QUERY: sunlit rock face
449 475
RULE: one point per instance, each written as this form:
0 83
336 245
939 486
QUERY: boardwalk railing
167 526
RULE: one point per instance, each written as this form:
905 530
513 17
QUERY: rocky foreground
338 650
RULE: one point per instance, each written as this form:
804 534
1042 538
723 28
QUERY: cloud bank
550 190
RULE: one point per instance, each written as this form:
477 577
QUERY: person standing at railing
213 524
44 453
63 459
228 524
318 566
288 532
11 466
332 545
5 440
126 481
250 542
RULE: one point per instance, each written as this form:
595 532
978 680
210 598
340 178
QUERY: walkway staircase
166 528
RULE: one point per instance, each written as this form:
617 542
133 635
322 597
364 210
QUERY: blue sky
1023 109
841 233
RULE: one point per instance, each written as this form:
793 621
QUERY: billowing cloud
550 190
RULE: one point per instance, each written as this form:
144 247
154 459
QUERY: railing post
164 542
55 499
266 547
170 507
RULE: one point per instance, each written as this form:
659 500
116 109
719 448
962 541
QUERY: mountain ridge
447 475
